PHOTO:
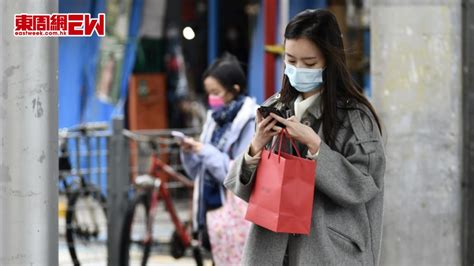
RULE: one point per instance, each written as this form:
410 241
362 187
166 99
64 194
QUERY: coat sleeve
354 175
241 178
190 162
217 162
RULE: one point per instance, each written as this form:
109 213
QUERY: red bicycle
137 232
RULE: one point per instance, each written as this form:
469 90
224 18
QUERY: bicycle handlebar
153 140
96 129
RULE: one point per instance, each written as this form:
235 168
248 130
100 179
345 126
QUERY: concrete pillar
416 74
28 141
468 132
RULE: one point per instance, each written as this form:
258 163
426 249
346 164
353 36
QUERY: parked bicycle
86 226
137 233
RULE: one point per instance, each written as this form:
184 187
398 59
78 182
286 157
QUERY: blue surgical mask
304 79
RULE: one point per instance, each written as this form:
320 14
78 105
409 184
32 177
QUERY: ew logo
84 25
59 25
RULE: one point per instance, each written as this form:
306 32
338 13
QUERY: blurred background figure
227 133
191 113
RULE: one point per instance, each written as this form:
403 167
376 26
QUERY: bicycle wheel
134 248
86 228
177 247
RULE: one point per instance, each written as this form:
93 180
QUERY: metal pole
28 141
117 189
468 132
269 11
213 31
284 18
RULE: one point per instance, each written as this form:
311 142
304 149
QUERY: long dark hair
320 27
228 71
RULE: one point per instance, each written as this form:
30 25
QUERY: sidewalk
96 253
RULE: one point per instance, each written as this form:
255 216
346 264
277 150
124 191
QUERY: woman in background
227 132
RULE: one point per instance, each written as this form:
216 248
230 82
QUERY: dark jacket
346 228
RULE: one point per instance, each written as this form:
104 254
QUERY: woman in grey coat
334 124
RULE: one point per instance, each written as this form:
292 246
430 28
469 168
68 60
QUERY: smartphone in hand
178 135
266 110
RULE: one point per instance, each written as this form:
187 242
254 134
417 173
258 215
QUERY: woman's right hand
264 133
190 145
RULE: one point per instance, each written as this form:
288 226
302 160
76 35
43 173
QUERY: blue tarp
78 58
130 49
74 57
300 5
256 86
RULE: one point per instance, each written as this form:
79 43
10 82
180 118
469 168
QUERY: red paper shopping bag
282 196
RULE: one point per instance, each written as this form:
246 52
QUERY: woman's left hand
299 132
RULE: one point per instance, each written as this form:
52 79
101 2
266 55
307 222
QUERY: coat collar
314 109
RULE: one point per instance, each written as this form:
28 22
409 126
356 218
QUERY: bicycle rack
103 156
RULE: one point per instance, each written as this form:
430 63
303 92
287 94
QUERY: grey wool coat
346 226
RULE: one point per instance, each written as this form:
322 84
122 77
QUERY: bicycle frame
161 192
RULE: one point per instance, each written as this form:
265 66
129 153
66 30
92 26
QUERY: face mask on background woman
215 102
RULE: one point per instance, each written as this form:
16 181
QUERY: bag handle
273 146
282 134
292 143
